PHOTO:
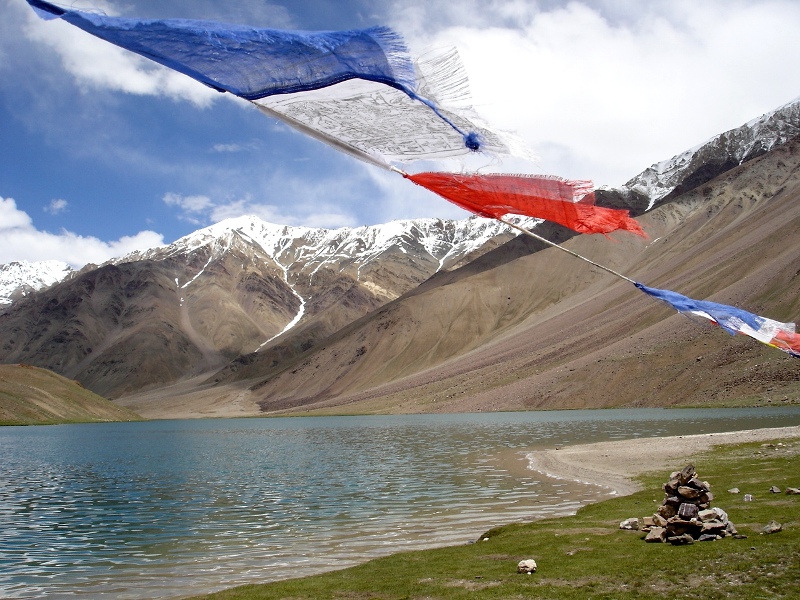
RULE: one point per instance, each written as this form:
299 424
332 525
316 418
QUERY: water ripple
160 509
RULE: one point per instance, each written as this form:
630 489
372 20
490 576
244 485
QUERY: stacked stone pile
686 515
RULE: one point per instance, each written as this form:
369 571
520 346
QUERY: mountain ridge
246 317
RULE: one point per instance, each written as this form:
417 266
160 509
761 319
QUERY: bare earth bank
613 464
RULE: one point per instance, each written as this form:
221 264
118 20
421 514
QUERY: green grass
587 556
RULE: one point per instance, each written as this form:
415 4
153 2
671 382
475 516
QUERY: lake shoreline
613 465
254 500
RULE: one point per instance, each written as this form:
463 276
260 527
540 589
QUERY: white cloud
603 89
56 206
233 148
201 210
12 217
190 204
95 63
229 148
22 241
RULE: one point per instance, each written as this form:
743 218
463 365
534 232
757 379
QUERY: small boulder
734 490
631 524
687 511
668 510
656 535
686 491
686 474
708 515
772 527
526 566
715 527
775 489
721 514
659 521
793 491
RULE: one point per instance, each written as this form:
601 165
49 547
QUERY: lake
164 509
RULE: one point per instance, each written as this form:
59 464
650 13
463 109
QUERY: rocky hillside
33 396
521 329
170 314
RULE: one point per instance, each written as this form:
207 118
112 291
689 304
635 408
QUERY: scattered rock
748 498
793 491
526 566
631 524
775 489
772 527
733 490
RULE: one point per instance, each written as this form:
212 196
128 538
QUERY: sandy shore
612 464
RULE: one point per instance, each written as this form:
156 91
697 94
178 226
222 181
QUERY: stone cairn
686 515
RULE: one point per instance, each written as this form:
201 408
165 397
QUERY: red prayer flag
566 202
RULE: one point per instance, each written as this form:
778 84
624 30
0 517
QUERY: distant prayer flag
733 320
567 202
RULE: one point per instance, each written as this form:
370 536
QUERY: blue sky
102 153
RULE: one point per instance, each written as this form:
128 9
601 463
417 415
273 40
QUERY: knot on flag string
472 141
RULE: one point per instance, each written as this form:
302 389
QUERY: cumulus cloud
23 241
201 210
192 207
56 206
603 89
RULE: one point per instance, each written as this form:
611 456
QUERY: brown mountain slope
184 311
549 331
34 396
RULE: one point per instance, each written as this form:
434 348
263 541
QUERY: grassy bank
588 556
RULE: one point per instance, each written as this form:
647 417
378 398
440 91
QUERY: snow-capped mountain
303 251
245 296
721 153
295 249
229 290
19 279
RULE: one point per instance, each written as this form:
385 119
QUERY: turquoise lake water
165 509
